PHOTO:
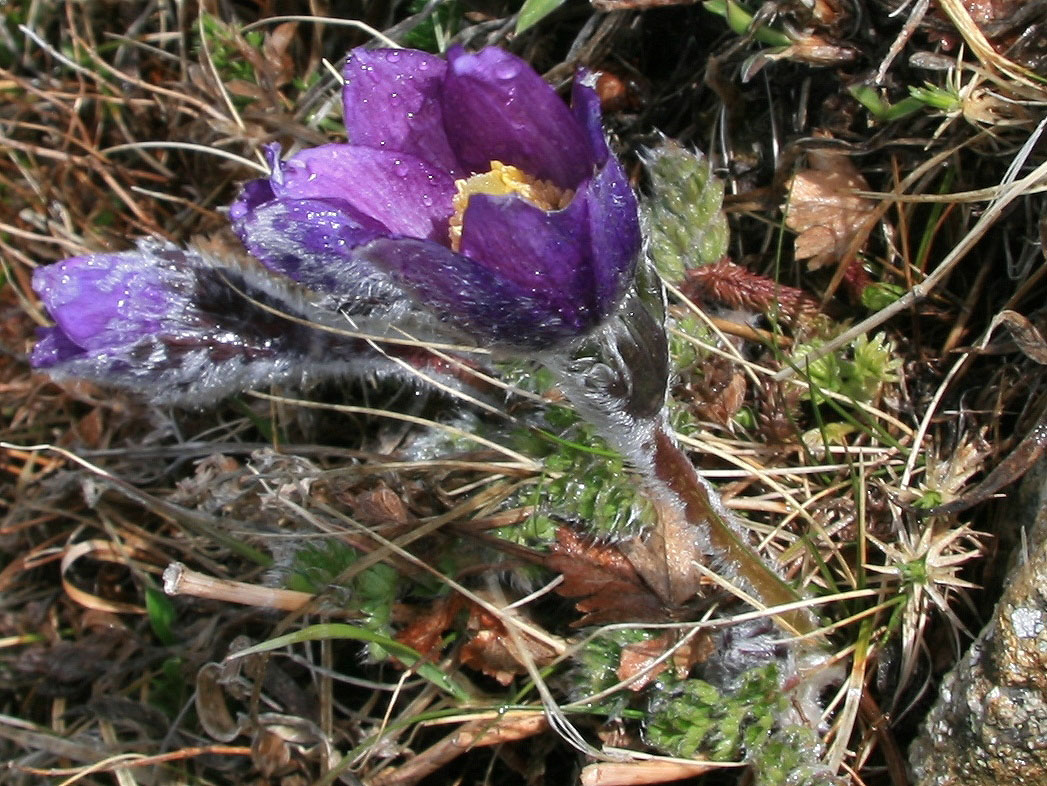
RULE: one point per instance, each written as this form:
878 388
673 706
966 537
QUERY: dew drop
423 65
392 57
427 200
400 168
395 99
506 70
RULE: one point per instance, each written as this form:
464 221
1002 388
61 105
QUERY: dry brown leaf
639 655
269 753
609 586
381 505
640 773
824 209
667 556
425 634
495 652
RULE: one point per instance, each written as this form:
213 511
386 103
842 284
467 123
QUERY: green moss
698 720
597 669
859 372
370 594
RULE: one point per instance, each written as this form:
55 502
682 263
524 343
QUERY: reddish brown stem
675 471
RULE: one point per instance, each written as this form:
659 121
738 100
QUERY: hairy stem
675 475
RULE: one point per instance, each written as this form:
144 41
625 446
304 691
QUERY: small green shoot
740 20
534 11
883 111
161 613
942 99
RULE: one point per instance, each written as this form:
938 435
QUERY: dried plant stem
179 580
475 734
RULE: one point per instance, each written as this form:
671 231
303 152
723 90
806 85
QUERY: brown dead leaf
667 556
718 393
269 753
495 652
639 655
425 634
824 209
381 505
275 51
91 429
609 586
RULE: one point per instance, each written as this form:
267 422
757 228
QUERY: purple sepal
311 241
181 326
53 347
585 105
392 101
468 296
613 231
504 111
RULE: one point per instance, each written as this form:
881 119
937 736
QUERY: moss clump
697 720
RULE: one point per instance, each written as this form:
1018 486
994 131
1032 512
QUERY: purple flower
466 184
470 198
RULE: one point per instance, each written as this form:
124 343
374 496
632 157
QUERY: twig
180 580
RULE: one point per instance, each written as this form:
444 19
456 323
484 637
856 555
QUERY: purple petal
253 194
614 232
100 300
405 194
392 101
543 252
311 240
585 105
53 347
469 295
499 109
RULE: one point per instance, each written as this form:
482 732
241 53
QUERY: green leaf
740 21
338 630
534 11
688 227
161 614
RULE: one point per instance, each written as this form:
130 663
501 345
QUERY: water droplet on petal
507 70
427 200
392 57
400 168
423 65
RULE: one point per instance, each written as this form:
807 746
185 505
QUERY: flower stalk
617 378
675 474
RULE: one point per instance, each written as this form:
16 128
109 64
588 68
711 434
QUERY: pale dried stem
180 580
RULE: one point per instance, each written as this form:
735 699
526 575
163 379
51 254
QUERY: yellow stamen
501 180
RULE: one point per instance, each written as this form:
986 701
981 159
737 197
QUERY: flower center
501 180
